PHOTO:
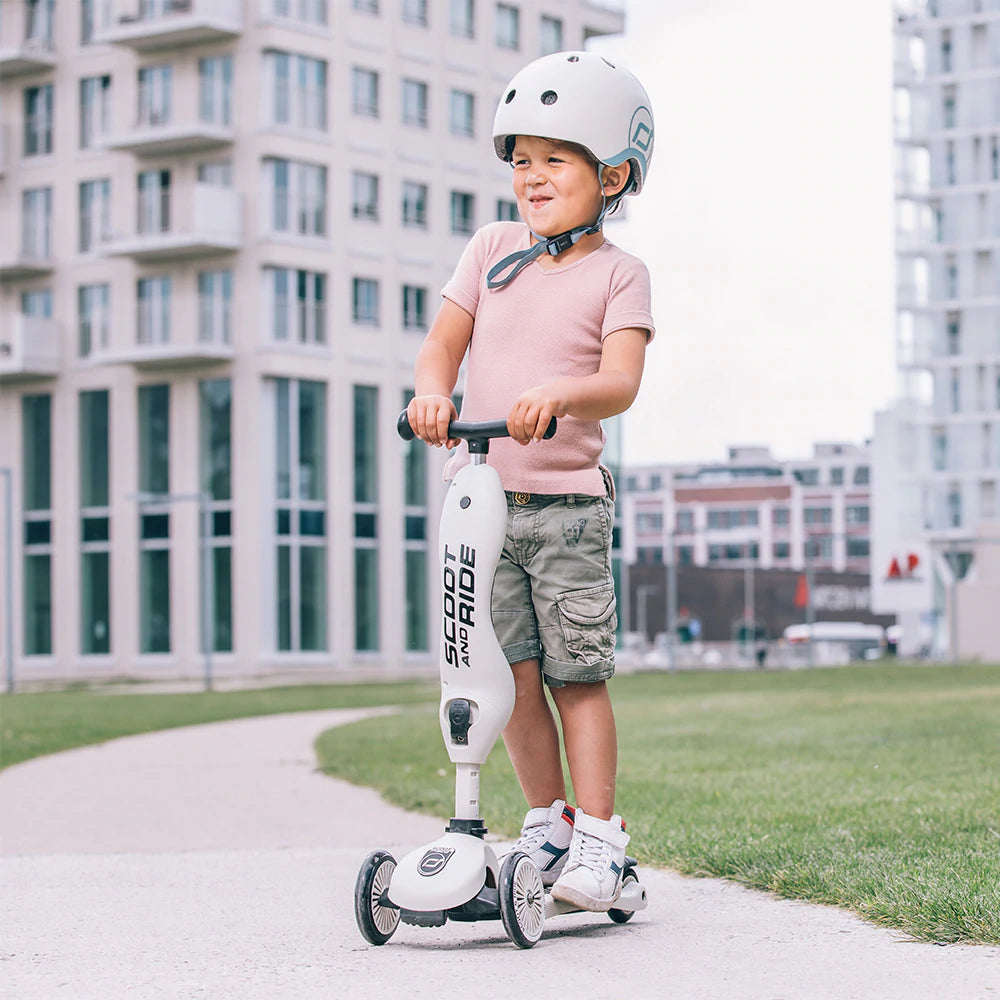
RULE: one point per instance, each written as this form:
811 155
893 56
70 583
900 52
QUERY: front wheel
376 921
522 899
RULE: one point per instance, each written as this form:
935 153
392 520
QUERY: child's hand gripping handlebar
477 433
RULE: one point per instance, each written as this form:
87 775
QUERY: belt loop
570 500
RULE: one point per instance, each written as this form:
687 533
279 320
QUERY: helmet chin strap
516 262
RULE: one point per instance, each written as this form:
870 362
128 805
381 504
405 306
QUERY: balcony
29 349
30 263
187 350
148 25
33 55
205 225
152 137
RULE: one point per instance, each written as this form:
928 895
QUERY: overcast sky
767 223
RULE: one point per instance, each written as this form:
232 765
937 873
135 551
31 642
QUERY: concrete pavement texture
216 862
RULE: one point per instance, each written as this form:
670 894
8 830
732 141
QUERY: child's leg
532 739
591 742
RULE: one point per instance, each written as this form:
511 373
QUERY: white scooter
458 876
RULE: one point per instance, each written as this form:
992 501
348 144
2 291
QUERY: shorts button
522 499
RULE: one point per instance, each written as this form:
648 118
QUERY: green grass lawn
32 725
875 788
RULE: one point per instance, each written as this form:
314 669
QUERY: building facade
772 521
937 453
227 225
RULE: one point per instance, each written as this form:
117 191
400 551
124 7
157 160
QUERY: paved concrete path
214 862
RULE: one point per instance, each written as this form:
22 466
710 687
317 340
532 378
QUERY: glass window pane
283 449
36 414
94 476
37 604
216 437
222 599
95 603
312 592
154 438
154 598
365 444
416 600
284 584
312 440
366 600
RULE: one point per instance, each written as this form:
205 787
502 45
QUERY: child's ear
615 178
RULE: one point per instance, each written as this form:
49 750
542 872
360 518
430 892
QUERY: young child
555 321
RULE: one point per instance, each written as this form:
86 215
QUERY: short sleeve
463 288
629 300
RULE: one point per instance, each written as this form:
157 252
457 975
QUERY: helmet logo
641 130
434 860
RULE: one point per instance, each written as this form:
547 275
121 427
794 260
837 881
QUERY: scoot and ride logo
459 580
434 860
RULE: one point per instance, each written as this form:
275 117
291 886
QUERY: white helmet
583 98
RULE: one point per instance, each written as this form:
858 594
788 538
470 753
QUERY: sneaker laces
532 837
588 851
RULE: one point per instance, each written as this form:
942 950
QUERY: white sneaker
545 838
592 878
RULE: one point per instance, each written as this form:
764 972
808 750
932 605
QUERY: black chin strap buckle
558 244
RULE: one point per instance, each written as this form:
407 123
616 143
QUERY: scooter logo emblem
434 860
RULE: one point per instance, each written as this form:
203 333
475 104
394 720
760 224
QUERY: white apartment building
225 226
937 454
752 509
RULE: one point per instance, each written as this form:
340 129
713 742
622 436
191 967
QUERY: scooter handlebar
469 429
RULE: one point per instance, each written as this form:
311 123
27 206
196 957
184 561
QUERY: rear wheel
624 916
522 900
376 921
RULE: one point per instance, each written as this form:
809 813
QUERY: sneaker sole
567 894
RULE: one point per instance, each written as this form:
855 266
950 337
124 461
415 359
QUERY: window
95 213
219 174
93 318
154 519
685 522
954 509
415 12
215 461
462 113
955 392
297 86
782 550
365 6
300 515
837 476
508 35
414 204
462 18
215 297
215 90
364 196
307 11
366 490
37 303
414 103
414 307
40 21
953 333
781 516
550 35
649 521
95 528
862 475
818 515
296 305
95 109
462 212
153 320
808 477
36 223
415 544
858 548
87 21
36 441
155 83
365 309
507 210
154 201
38 103
298 196
857 513
364 92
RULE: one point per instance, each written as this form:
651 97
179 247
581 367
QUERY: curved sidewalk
215 862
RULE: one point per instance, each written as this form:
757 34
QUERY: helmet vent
509 97
611 64
573 59
550 97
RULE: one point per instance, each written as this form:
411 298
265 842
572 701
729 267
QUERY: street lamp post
207 569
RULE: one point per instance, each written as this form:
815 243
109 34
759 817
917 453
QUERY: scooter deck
631 899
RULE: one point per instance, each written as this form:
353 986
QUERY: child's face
556 185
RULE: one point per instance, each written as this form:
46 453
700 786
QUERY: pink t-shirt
546 323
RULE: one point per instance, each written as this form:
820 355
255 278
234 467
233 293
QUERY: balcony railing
171 225
34 55
146 25
157 135
29 348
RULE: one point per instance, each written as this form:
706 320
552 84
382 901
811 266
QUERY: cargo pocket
588 622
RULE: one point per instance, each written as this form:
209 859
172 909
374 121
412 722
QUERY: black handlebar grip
403 428
550 431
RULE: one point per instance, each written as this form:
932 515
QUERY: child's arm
436 372
608 391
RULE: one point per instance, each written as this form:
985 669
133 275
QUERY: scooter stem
466 791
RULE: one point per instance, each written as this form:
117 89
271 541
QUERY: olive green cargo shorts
553 594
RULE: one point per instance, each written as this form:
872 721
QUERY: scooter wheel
624 916
376 921
522 900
